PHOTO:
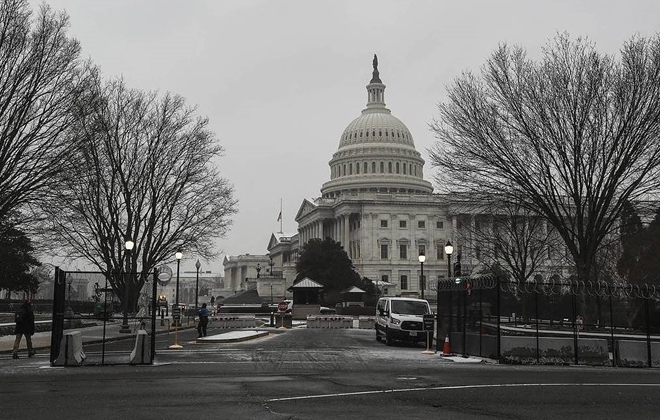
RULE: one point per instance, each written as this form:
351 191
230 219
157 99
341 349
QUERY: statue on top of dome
375 78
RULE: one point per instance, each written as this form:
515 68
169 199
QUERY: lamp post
198 265
271 264
449 249
125 328
178 256
258 269
422 258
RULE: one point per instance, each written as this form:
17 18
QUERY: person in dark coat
203 314
24 327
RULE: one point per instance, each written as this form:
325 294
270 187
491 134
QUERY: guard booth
306 298
353 296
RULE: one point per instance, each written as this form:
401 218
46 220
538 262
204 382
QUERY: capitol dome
376 152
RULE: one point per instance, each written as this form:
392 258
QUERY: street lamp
271 264
178 256
258 269
124 326
422 258
198 265
449 249
176 313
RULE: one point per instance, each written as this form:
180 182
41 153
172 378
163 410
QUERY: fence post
481 321
438 349
609 286
499 307
536 316
574 305
648 331
154 302
464 292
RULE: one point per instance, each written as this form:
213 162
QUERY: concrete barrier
141 353
366 322
329 321
634 353
71 351
553 350
234 321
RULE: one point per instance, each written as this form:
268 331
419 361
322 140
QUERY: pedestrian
203 314
24 327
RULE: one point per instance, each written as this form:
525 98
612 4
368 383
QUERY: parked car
402 319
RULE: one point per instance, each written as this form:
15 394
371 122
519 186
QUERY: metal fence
97 323
550 321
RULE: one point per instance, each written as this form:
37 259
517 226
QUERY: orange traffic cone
446 349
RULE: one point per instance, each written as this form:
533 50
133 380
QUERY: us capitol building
377 205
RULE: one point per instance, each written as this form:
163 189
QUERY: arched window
373 167
389 167
366 166
397 167
382 167
344 169
357 168
404 168
350 169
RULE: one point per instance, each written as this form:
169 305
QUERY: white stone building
382 211
377 204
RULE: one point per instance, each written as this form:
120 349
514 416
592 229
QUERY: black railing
550 322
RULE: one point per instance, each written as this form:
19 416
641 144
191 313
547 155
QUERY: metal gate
550 321
82 331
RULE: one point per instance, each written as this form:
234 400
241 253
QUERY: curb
259 334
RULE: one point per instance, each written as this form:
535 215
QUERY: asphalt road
319 374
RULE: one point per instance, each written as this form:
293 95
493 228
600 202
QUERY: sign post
282 307
176 317
429 320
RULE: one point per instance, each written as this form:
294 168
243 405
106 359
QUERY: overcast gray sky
281 79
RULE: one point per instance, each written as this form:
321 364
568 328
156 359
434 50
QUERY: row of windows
388 133
392 167
421 224
404 250
403 280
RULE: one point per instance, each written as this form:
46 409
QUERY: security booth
353 296
306 298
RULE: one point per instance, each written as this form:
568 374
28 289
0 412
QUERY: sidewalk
92 334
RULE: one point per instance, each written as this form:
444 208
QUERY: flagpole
281 230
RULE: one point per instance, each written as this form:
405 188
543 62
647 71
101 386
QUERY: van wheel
377 335
388 338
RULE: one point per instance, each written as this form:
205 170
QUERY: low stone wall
367 322
554 351
236 321
329 321
634 353
522 349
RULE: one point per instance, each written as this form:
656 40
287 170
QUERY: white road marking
444 388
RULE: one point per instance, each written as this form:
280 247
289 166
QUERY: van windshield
409 307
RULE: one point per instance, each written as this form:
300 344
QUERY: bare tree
513 237
570 137
147 174
39 72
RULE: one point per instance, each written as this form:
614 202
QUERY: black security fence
550 321
80 331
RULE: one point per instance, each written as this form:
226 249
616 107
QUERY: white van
401 319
